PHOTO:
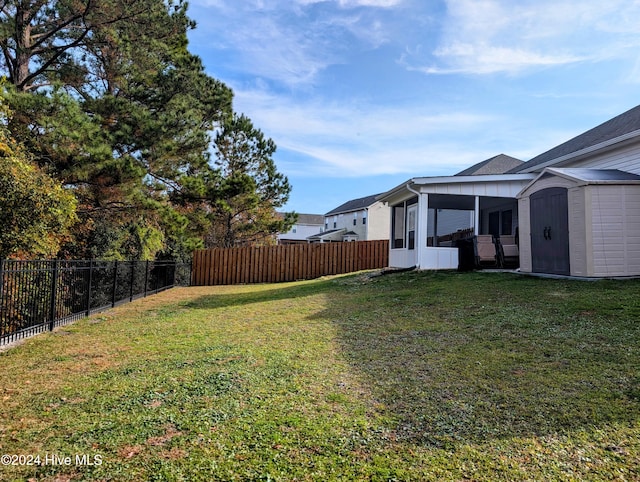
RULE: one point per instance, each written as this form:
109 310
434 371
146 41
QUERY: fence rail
272 264
37 296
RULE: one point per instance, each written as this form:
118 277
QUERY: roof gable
626 124
496 165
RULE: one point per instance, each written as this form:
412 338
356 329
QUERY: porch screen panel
398 226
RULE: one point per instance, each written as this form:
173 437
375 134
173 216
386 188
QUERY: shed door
550 231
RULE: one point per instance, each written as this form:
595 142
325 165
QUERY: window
397 222
355 221
364 220
294 229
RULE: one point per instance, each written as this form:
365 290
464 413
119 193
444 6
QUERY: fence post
54 298
133 273
2 303
89 287
1 282
146 277
115 284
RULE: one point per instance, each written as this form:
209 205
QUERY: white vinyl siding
625 159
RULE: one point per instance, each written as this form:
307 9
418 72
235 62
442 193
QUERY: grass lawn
413 376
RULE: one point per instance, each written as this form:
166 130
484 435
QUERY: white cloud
490 36
356 3
484 59
370 3
356 139
288 42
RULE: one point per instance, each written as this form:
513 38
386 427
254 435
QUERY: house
362 219
574 209
422 209
306 225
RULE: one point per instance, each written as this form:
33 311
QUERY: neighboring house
306 225
575 208
362 219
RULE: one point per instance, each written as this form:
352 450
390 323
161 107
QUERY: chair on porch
508 251
486 253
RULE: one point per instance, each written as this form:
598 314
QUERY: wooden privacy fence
272 264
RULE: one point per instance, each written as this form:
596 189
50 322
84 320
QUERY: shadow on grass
466 358
268 293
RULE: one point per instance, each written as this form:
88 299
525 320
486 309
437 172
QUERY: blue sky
361 95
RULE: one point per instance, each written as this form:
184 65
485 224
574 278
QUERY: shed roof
583 177
596 175
354 205
621 127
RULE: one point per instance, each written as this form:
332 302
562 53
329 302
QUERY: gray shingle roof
618 126
596 175
311 219
354 205
496 165
327 234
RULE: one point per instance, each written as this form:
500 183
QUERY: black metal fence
37 296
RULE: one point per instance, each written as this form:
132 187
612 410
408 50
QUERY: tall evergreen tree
112 103
248 187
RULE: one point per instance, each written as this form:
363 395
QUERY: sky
362 95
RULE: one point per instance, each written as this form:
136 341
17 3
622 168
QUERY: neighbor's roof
354 205
496 165
622 127
317 219
310 219
327 234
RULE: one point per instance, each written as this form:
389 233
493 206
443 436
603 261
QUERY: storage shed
581 222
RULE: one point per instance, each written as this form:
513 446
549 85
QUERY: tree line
116 144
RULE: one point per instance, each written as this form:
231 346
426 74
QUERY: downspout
412 190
